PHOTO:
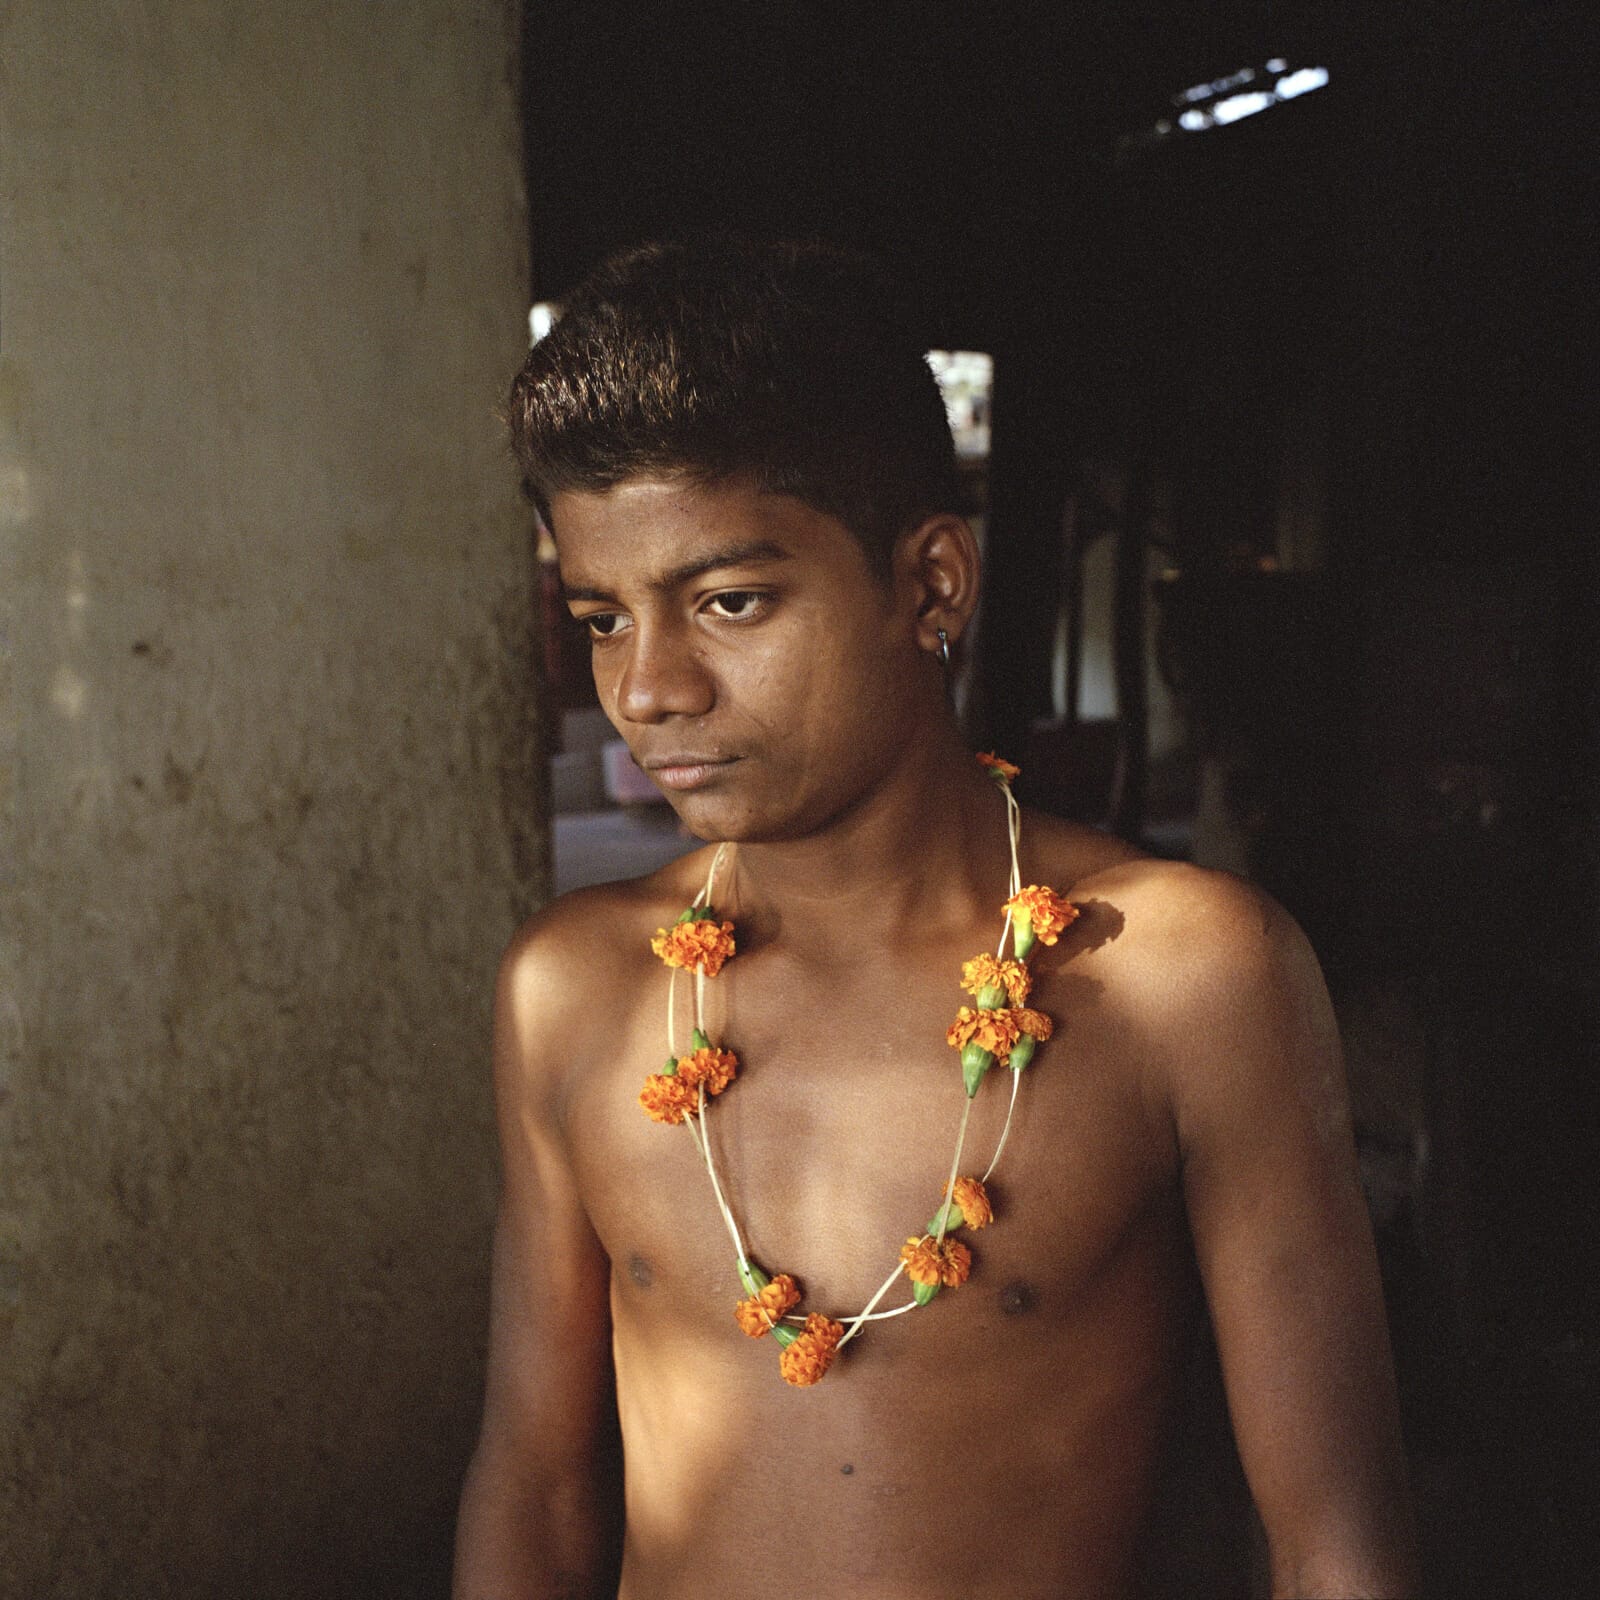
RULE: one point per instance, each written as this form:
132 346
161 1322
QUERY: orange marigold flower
973 1199
757 1315
921 1260
985 972
1034 1023
752 1324
701 945
929 1263
996 1031
1003 769
667 1098
710 1067
810 1356
781 1295
1045 909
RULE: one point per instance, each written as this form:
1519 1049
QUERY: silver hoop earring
944 648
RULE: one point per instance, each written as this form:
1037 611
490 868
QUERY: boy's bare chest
834 1142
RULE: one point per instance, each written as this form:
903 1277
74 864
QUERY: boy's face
743 649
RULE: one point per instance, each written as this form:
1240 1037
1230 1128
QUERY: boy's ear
937 563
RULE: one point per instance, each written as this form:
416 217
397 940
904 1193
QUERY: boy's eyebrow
737 555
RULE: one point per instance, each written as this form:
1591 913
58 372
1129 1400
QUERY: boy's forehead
654 530
669 504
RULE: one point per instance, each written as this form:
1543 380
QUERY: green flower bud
785 1335
752 1277
671 1068
922 1293
691 915
1022 1052
1021 934
698 1041
975 1062
957 1220
991 999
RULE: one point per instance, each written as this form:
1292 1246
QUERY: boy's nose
662 678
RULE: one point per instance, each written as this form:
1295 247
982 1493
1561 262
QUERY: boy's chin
716 821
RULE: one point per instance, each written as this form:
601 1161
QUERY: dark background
1405 725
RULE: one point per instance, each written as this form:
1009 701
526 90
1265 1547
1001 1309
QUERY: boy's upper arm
1281 1234
548 1385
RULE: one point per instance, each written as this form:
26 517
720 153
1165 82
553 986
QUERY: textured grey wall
270 802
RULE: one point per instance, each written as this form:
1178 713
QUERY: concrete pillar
270 795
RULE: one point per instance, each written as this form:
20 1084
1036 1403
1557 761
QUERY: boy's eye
603 624
737 603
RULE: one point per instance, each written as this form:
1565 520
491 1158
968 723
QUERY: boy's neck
920 850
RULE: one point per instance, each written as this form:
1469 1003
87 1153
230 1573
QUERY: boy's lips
686 771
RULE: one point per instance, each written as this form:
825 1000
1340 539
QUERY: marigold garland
983 974
993 1030
673 1095
936 1263
699 944
1034 1024
760 1313
1038 913
810 1356
999 1030
973 1199
999 767
714 1069
667 1098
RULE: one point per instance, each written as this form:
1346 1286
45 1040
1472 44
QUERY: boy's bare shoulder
1213 977
1176 947
1173 909
598 935
583 952
1169 911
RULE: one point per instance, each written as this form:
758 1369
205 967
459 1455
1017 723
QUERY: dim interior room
1256 324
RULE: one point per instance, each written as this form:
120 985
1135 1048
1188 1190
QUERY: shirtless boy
749 479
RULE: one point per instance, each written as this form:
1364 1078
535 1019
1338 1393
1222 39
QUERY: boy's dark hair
795 364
